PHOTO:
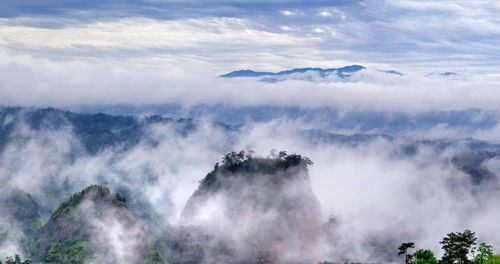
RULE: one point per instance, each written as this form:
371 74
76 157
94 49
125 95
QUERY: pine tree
457 247
403 250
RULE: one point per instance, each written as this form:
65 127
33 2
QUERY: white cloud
463 36
375 193
30 81
318 30
285 28
191 43
137 33
289 12
492 134
427 5
325 14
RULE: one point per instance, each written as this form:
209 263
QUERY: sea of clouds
374 196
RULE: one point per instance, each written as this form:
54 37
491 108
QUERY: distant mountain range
300 74
99 132
445 74
467 121
341 72
315 74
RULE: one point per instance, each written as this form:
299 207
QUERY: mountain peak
79 230
322 71
252 194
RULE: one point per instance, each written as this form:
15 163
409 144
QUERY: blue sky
422 36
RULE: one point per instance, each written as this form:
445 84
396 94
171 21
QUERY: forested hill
95 131
48 155
253 210
98 132
95 225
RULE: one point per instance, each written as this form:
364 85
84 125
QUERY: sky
65 53
219 36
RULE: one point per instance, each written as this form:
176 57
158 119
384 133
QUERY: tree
457 247
495 259
403 250
154 256
424 256
16 260
484 253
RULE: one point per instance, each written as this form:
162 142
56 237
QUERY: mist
371 196
30 81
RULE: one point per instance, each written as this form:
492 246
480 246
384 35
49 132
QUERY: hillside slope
254 210
93 225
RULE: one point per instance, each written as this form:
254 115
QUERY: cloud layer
376 196
35 82
421 35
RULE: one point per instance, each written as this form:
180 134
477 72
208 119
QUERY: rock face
93 226
253 210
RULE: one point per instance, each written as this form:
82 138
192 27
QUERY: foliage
31 242
66 235
93 192
424 256
154 256
403 250
96 132
457 247
484 253
25 210
119 198
243 162
71 251
495 259
16 260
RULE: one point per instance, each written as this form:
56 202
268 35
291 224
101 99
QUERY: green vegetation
459 248
424 256
403 250
495 259
242 162
24 209
484 253
70 251
154 256
65 237
15 260
94 193
96 132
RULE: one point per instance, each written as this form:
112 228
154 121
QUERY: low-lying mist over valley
249 132
186 194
